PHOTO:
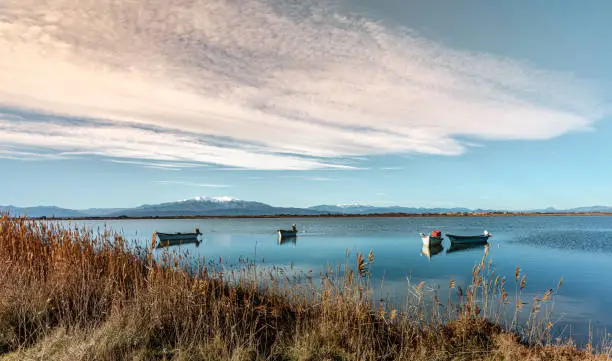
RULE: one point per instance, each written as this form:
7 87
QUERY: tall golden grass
70 294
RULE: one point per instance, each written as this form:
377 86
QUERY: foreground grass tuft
69 294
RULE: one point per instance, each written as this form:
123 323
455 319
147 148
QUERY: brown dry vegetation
68 294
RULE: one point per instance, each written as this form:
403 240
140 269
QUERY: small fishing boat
429 251
482 238
433 239
284 233
172 239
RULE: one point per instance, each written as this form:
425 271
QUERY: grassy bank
69 294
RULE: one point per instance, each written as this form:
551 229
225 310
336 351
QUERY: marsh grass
71 294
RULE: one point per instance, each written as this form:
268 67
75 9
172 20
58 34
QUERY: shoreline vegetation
371 215
72 294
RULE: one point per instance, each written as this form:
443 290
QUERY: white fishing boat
433 239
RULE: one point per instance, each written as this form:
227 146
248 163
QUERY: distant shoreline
375 215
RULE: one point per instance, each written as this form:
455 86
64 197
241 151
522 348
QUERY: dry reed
71 294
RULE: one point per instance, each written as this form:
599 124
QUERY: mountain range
227 206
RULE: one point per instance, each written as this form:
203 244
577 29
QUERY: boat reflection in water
429 251
460 247
177 242
177 239
282 241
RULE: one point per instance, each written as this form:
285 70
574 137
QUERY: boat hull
286 234
177 236
176 239
430 241
480 239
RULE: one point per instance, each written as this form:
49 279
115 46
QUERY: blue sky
418 103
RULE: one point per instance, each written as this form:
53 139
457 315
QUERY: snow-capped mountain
223 199
210 206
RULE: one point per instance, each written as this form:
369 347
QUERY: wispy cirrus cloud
26 154
158 165
260 84
122 141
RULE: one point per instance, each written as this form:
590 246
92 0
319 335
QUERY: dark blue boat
284 233
172 239
482 238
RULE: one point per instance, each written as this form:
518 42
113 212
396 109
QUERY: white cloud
26 155
157 165
130 142
261 85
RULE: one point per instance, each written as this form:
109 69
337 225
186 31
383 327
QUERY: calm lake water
579 249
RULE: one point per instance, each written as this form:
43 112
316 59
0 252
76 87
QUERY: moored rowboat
482 238
284 233
178 237
433 239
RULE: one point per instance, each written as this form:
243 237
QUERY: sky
478 104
